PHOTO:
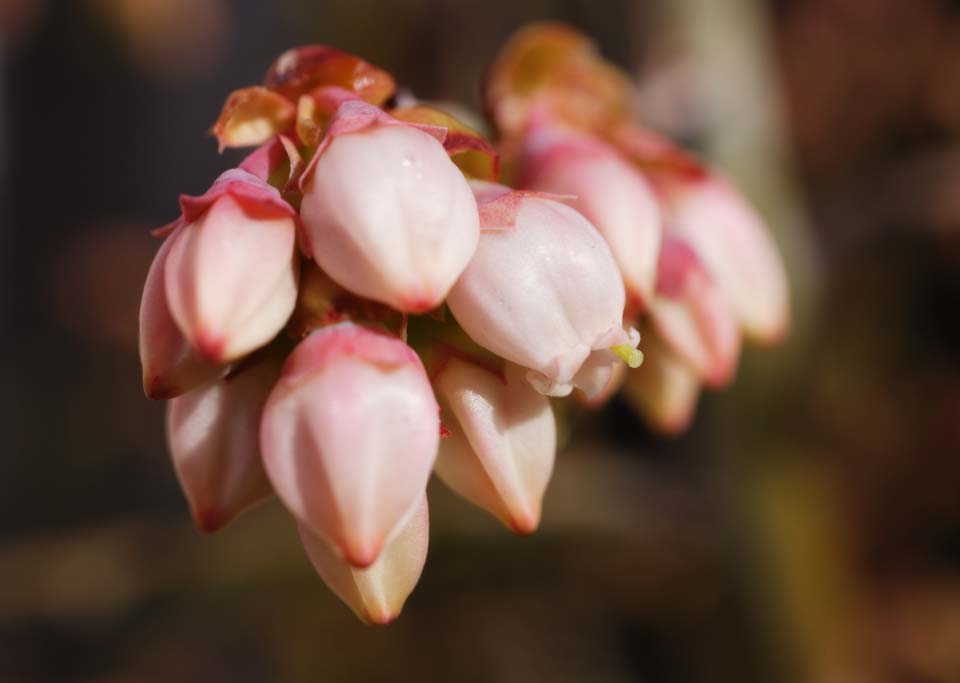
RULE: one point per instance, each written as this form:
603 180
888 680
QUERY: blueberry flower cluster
366 299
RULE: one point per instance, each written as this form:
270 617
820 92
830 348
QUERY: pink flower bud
692 315
170 365
375 594
609 191
231 275
543 291
734 245
386 213
665 390
349 437
213 434
503 438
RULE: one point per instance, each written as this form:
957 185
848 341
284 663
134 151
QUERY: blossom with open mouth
544 292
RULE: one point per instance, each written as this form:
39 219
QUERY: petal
611 193
475 156
375 594
736 248
544 293
231 279
500 451
349 437
693 316
390 216
170 365
213 434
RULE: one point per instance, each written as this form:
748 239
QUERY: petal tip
524 524
418 305
211 346
156 389
361 556
210 520
381 617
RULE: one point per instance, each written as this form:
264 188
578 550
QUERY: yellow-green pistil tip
631 356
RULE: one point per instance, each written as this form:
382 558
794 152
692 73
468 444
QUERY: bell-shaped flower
543 291
349 437
375 594
612 193
693 316
231 274
385 211
724 231
502 440
170 365
664 392
213 434
733 243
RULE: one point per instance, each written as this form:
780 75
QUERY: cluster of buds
362 303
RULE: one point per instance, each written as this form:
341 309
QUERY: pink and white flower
386 213
170 365
213 435
231 273
349 437
502 440
736 247
375 594
543 291
693 316
612 194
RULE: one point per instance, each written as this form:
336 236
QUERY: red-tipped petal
500 451
377 593
213 434
231 278
693 316
349 437
170 366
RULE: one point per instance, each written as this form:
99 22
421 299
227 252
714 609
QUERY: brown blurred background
806 529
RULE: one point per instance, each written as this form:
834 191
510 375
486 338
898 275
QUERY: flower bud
732 242
349 436
665 390
213 434
386 213
691 314
231 275
170 365
375 594
502 441
610 192
543 291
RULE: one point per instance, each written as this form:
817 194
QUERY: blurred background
807 528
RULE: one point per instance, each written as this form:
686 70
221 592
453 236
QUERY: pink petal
389 216
609 191
693 316
213 434
375 594
231 278
500 451
170 366
349 437
545 294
